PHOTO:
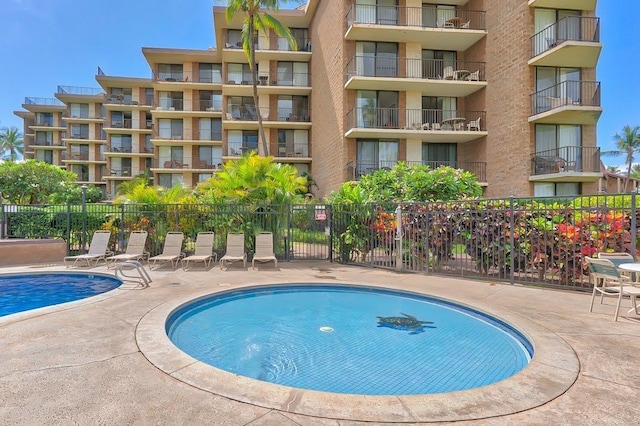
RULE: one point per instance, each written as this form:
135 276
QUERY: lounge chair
264 250
203 252
98 250
172 250
135 249
235 250
608 282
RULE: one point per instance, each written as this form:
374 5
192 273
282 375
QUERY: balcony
121 172
428 125
34 104
186 80
169 104
82 91
268 48
207 164
566 164
121 124
565 4
208 105
434 77
168 135
357 169
569 102
121 149
237 112
237 149
574 41
79 156
426 25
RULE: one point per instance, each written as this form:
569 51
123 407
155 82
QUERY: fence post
398 239
330 233
2 220
287 235
121 237
84 218
68 227
511 241
426 236
634 230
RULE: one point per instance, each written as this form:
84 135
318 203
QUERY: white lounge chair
264 250
203 251
98 250
172 250
235 250
474 125
448 73
608 282
135 249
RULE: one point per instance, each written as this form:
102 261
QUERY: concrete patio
106 360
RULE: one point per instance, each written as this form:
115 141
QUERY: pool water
20 293
354 340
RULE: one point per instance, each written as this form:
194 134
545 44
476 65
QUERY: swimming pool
23 292
347 339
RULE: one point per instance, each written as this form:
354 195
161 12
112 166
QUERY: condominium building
505 89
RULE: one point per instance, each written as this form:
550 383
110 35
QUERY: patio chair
608 282
447 73
172 250
98 250
618 258
474 125
134 251
235 250
264 250
474 76
203 252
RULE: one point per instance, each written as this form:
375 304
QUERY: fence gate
308 232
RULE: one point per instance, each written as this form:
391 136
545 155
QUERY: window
121 166
45 156
293 108
383 12
210 73
44 119
121 143
169 129
239 73
148 146
79 110
438 108
377 59
210 156
293 74
375 154
554 25
436 15
556 85
82 170
148 96
170 72
210 129
301 35
210 100
204 176
241 108
169 180
44 138
124 92
80 131
80 152
436 154
435 61
169 154
562 141
240 141
550 189
293 143
170 101
377 108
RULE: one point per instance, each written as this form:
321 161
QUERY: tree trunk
254 83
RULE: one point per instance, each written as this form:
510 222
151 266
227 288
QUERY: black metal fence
540 241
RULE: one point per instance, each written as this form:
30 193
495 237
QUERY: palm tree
256 20
613 169
635 172
627 144
11 141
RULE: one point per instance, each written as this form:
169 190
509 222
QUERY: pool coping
553 369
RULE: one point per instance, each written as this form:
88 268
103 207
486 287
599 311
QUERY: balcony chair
466 25
448 73
474 125
474 76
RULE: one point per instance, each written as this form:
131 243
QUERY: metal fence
539 241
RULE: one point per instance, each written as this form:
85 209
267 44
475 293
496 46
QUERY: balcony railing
43 101
578 159
210 105
210 135
245 80
207 163
121 148
79 136
416 119
294 114
82 156
296 79
428 16
576 28
246 112
293 150
236 149
567 93
148 124
431 69
75 90
148 149
172 164
122 124
123 171
44 123
263 42
42 143
357 169
169 104
168 134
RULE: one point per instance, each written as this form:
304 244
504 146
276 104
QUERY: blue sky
46 43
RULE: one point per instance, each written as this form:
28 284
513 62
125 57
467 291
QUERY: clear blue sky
46 43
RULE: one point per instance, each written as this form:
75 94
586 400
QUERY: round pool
23 292
348 339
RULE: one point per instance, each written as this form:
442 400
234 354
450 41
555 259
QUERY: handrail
573 28
429 16
430 69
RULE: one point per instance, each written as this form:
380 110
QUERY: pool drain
326 329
